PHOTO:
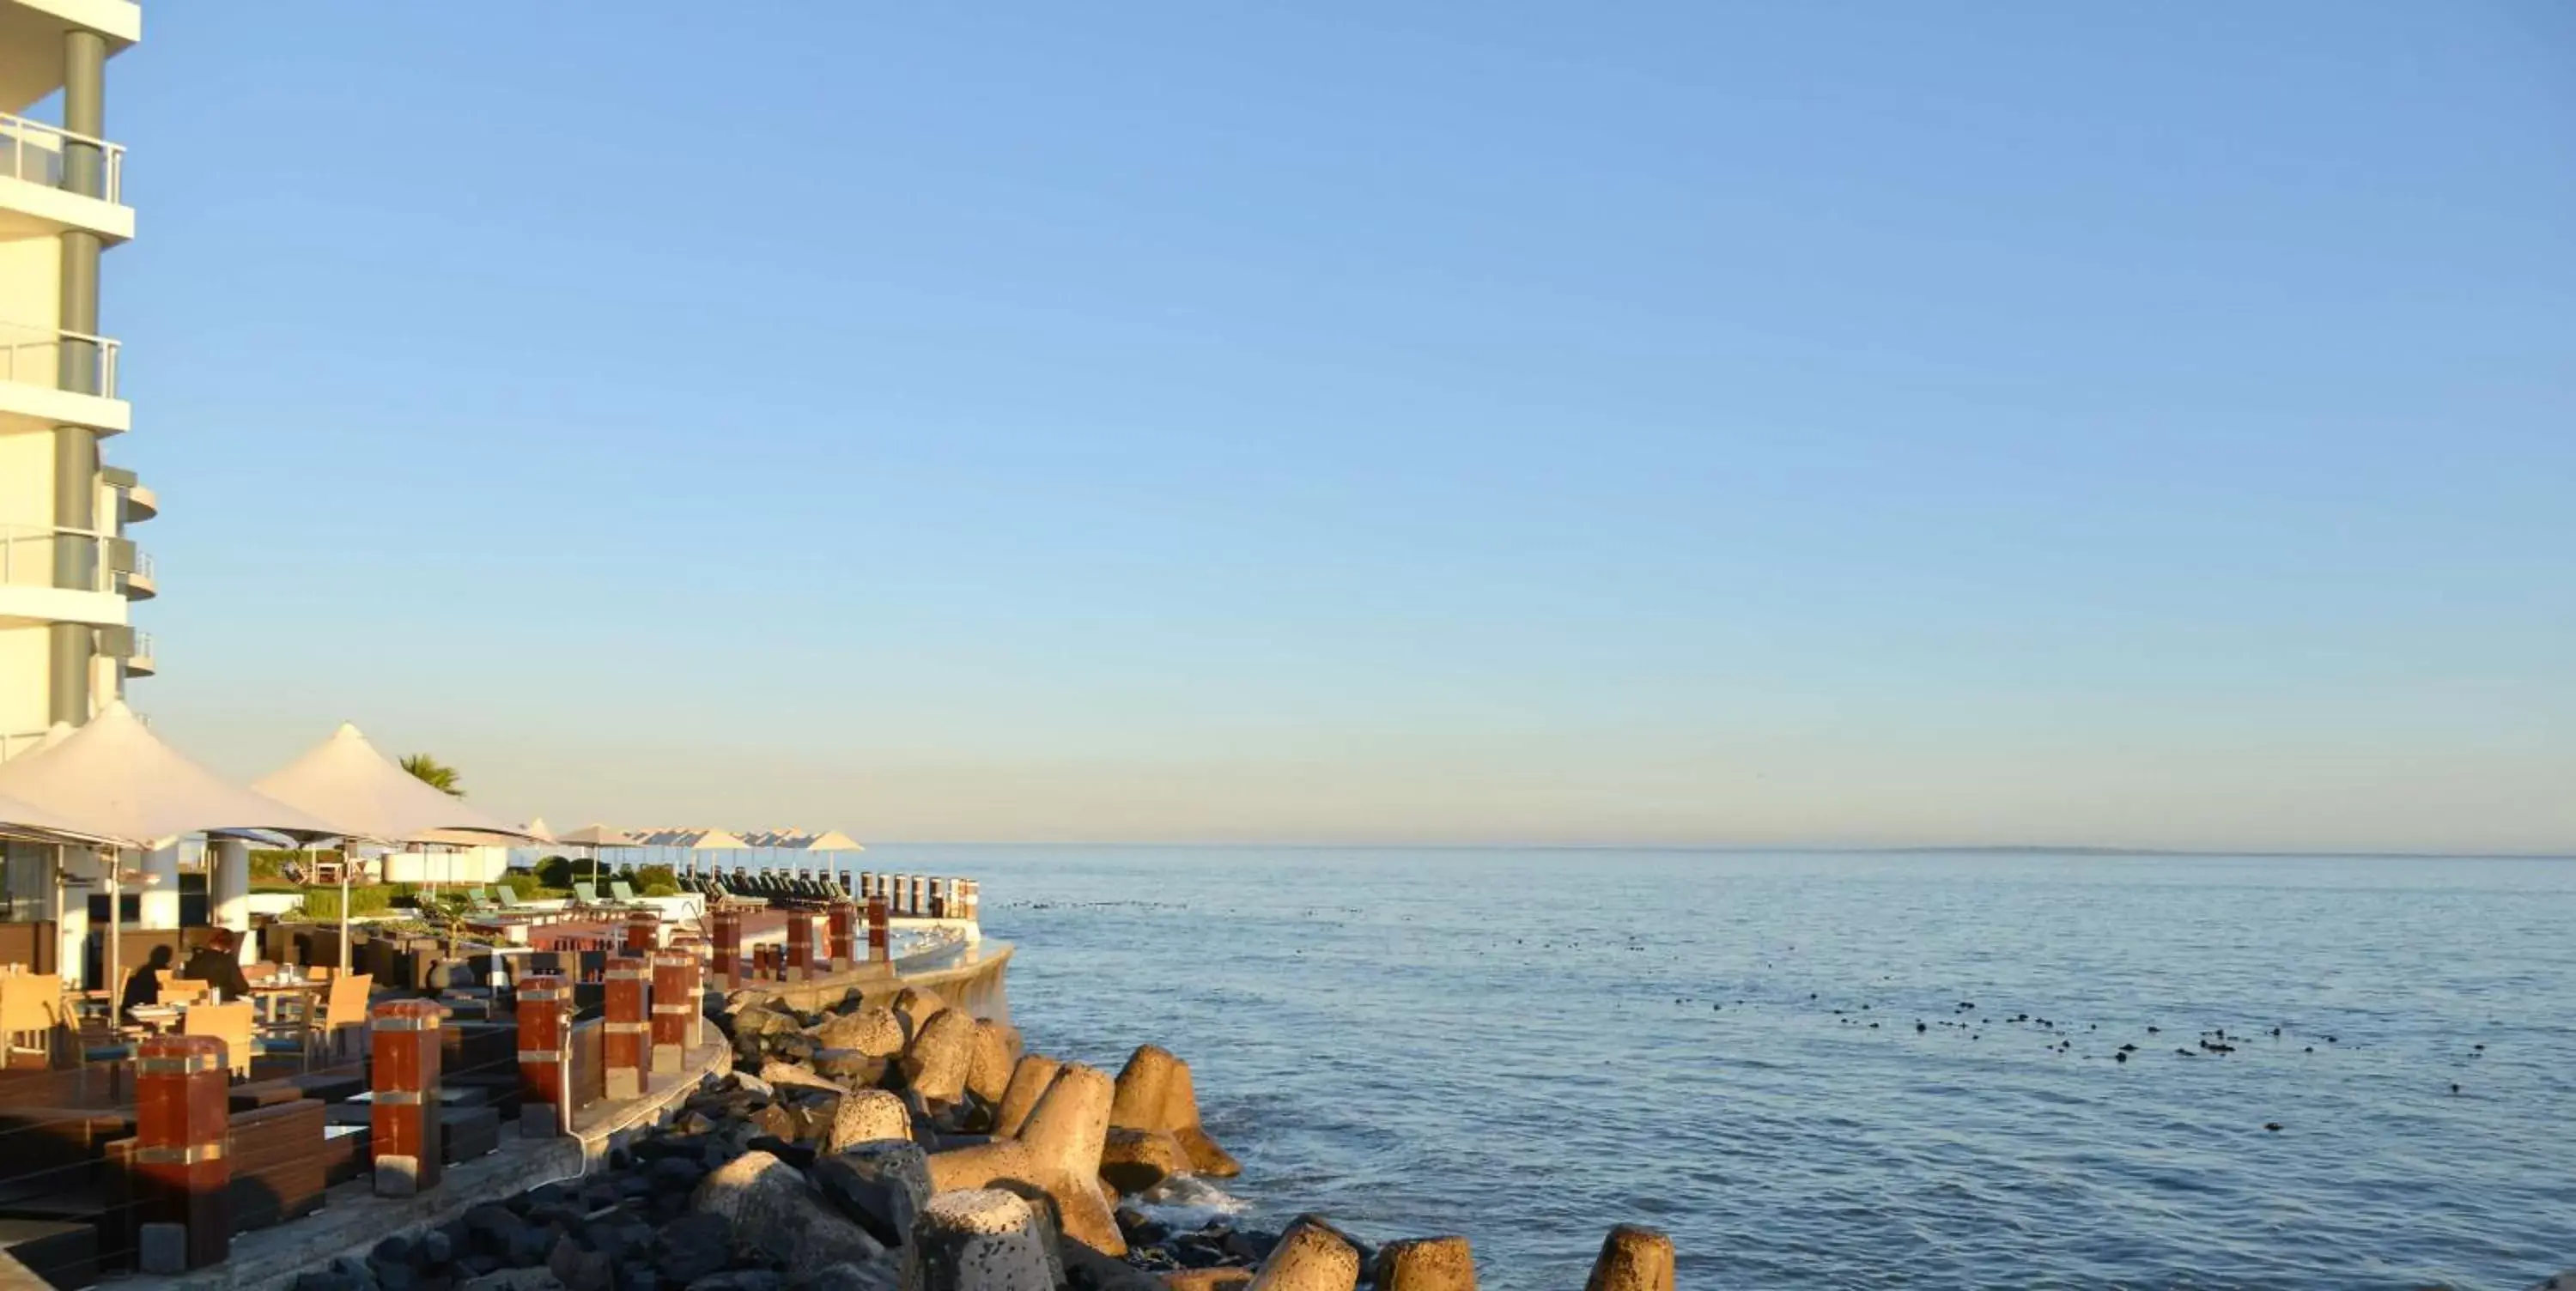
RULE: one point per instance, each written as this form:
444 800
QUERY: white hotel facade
70 573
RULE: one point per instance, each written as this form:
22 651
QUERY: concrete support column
643 932
181 1176
624 1049
228 884
403 1123
71 646
157 901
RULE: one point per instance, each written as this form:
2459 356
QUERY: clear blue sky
1729 422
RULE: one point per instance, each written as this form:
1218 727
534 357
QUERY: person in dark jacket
144 986
218 964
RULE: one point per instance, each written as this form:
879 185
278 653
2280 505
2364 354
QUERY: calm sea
1527 1046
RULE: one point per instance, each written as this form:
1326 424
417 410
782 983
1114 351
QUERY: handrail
49 369
27 136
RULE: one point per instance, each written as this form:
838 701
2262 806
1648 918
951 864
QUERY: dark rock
693 1246
876 1275
675 1173
392 1250
490 1225
775 1210
881 1186
739 1280
1088 1270
850 1067
1141 1229
436 1247
799 1155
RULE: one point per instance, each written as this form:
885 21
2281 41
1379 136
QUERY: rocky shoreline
909 1146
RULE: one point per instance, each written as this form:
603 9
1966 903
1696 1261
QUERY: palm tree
434 773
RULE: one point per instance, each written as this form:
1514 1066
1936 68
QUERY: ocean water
1527 1046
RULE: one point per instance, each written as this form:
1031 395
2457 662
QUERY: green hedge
659 889
364 899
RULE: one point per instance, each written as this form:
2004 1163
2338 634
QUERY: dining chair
234 1024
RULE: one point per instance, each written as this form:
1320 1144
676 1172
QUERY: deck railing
41 153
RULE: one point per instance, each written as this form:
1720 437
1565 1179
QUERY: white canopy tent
596 836
365 795
829 845
114 781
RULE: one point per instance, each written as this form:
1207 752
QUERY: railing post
727 928
181 1115
867 885
878 951
920 895
845 919
969 902
939 889
623 1048
543 1039
643 932
673 1004
403 1130
800 945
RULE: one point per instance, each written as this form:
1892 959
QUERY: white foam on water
1185 1202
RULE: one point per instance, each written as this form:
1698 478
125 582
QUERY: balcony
140 662
133 570
52 179
141 503
51 377
56 575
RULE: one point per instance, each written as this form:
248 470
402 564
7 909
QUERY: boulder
881 1186
881 1275
1133 1161
916 1006
1426 1264
1633 1258
1030 1077
1154 1093
537 1279
1311 1256
784 1076
853 1069
988 1070
774 1210
936 1062
1088 1270
873 1033
693 1246
866 1116
739 1280
1057 1151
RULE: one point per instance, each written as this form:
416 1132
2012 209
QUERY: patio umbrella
596 836
115 782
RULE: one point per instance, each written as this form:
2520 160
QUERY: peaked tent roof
539 830
115 780
596 835
798 840
701 839
344 780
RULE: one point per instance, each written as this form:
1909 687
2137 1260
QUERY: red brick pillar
800 945
845 919
867 886
545 1034
403 1034
643 932
726 926
673 1005
974 901
939 890
877 938
181 1115
920 904
624 1048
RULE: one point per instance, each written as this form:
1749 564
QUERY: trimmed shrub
657 876
364 899
658 889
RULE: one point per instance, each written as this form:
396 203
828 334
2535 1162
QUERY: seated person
218 964
144 986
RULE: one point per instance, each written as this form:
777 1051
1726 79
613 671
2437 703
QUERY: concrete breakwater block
868 1116
936 1063
1057 1151
1310 1257
996 1049
1133 1161
882 1186
1633 1258
981 1239
1426 1264
1030 1077
870 1032
1154 1093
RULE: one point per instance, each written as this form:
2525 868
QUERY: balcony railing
57 158
32 555
58 359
